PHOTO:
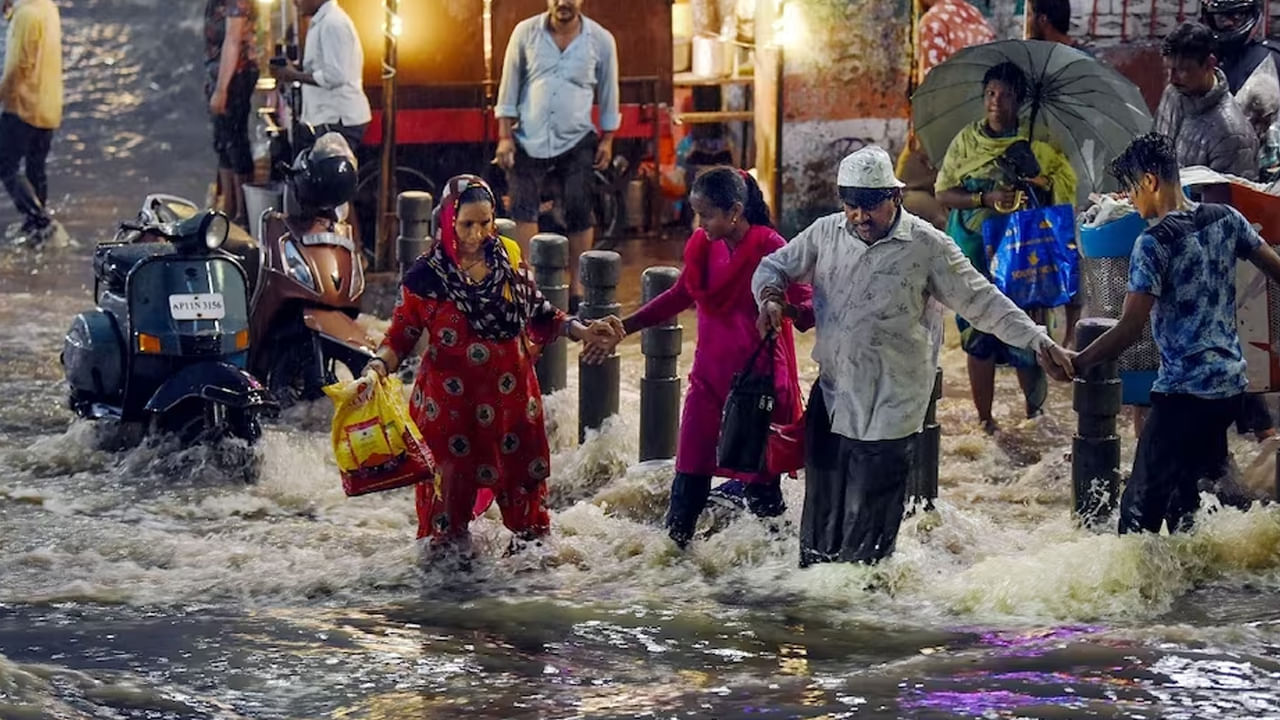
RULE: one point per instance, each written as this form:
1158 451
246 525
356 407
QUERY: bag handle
769 340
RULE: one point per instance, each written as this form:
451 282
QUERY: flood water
158 583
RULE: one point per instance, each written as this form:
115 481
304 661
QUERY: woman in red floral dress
476 398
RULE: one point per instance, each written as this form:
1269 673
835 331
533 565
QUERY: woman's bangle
977 200
566 329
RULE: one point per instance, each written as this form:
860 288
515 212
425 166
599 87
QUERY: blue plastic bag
1035 260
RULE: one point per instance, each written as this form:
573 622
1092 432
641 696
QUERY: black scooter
168 344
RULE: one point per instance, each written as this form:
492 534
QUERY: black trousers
689 495
27 147
855 491
1183 442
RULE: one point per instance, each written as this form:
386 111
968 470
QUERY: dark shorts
231 129
1183 442
571 171
855 491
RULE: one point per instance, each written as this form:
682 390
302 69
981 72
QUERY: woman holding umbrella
989 168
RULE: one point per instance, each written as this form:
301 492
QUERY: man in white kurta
874 269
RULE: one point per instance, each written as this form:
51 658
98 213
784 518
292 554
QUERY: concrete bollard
549 256
413 209
1095 450
922 483
506 227
660 387
598 388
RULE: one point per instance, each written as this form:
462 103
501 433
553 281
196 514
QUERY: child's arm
1266 260
1133 317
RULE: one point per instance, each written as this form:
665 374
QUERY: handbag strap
770 341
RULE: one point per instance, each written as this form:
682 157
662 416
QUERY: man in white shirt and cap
875 269
333 98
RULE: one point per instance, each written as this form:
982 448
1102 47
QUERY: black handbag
744 425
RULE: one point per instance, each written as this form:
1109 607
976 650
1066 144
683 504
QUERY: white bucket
257 200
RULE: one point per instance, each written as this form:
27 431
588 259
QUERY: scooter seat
112 263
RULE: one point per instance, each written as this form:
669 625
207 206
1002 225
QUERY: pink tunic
725 342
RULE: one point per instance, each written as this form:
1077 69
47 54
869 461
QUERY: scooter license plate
199 306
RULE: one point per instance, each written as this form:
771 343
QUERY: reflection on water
159 583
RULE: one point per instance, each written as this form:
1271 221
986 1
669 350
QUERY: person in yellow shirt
31 95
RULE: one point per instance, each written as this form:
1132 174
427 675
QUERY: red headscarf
499 306
446 233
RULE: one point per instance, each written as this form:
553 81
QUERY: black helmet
324 176
1233 38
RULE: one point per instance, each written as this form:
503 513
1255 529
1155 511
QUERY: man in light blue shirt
557 66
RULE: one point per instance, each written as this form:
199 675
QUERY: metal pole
549 256
598 384
413 208
922 483
383 250
660 387
1095 450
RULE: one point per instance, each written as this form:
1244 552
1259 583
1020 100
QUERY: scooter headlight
199 233
216 227
297 266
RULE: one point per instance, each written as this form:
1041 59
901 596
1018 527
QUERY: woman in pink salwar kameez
734 234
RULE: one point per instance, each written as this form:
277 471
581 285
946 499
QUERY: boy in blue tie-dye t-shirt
1182 275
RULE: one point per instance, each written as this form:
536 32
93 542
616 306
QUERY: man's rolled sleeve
508 104
333 71
607 82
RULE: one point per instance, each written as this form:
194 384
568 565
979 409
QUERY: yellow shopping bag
375 442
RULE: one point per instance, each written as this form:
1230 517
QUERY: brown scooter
309 280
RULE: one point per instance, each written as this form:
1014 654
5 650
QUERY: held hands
1058 362
997 199
599 338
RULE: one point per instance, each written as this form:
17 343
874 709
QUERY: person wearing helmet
874 269
1232 23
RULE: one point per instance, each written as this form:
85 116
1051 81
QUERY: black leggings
231 129
689 497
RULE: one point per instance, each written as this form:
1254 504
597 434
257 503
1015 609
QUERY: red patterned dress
479 407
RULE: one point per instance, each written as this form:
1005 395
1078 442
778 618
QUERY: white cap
869 167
